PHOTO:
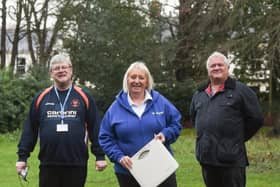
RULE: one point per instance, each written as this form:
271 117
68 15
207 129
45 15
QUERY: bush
16 94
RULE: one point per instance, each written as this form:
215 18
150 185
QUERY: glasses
63 68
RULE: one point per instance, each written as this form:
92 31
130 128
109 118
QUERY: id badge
62 127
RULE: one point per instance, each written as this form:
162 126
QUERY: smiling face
218 71
137 82
61 73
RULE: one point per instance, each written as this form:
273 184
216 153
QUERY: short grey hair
59 59
138 65
217 54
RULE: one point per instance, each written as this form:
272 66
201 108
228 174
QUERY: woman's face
137 81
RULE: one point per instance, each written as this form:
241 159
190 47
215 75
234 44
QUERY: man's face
137 81
217 69
61 73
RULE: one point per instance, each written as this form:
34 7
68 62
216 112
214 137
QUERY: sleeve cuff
22 159
100 157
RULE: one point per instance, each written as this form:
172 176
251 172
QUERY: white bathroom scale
152 164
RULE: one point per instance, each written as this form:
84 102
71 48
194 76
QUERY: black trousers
62 176
224 176
130 181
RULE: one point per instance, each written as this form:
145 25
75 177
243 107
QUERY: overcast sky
169 5
167 9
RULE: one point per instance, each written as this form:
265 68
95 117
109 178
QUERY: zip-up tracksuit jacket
67 148
224 122
122 132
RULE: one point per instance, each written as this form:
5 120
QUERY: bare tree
17 11
41 38
3 35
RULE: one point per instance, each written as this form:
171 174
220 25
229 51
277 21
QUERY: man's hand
100 165
20 166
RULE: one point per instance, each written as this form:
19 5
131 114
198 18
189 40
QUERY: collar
147 97
208 90
230 83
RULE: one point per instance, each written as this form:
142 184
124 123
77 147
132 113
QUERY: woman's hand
126 162
160 137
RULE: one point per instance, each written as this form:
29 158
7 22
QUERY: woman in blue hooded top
137 115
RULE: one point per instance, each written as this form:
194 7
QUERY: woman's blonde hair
138 65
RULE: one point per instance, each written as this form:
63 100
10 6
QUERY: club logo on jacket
157 113
57 114
75 103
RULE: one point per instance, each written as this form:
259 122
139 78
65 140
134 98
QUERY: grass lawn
263 153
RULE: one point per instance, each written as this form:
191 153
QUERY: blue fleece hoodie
123 133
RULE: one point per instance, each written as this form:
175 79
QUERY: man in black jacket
225 113
64 117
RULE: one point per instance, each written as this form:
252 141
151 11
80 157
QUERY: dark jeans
224 176
130 181
62 176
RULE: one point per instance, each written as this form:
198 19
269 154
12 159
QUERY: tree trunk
3 35
184 44
27 14
16 38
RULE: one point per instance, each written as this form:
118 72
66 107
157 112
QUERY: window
21 65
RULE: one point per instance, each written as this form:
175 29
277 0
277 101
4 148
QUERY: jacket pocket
229 151
205 148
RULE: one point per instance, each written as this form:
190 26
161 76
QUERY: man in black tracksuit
225 113
63 117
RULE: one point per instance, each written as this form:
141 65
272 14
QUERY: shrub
16 94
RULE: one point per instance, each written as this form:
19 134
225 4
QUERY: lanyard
62 106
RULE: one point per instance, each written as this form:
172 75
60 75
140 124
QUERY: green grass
263 153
